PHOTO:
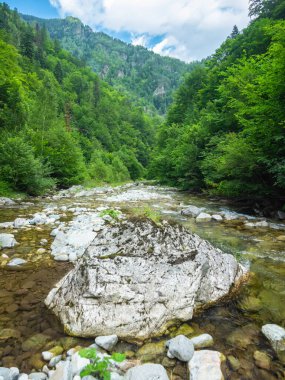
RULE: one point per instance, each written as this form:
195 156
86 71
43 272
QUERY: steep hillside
59 123
146 76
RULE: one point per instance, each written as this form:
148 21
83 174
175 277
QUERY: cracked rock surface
137 278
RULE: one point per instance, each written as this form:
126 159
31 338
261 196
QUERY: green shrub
99 367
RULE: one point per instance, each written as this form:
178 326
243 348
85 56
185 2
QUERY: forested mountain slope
59 123
148 77
225 131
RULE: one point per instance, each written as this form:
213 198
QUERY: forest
59 123
225 133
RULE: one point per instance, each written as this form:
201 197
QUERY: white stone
203 217
47 355
147 372
14 371
61 258
55 360
23 376
217 217
16 262
181 348
78 363
206 365
192 211
21 222
63 372
276 336
148 277
202 341
7 241
107 342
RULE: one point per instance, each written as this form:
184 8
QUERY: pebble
202 341
107 342
16 262
180 348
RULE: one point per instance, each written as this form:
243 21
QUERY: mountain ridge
148 77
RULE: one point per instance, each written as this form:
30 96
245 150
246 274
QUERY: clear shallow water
235 324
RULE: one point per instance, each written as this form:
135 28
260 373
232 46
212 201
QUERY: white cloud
192 29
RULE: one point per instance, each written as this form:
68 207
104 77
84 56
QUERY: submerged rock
192 211
7 241
202 341
137 278
276 336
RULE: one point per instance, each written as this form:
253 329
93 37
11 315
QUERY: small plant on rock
99 366
112 213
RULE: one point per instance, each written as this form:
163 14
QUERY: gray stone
5 373
6 225
276 336
150 275
14 371
206 365
55 360
181 348
7 241
192 211
21 222
16 262
63 371
47 355
147 372
203 217
37 376
116 376
6 201
281 215
39 218
78 363
62 258
107 342
23 376
217 217
202 341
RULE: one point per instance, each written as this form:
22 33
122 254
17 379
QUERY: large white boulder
136 278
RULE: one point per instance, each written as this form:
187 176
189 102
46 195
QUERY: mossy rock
6 334
35 342
69 342
151 351
184 329
36 361
57 350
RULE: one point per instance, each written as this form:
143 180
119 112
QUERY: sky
186 29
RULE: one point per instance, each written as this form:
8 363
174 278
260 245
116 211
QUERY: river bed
27 328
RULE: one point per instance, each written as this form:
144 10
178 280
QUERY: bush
20 169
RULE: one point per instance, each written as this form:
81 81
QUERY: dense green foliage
99 366
226 128
59 123
144 75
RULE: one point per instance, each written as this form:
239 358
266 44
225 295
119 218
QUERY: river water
27 328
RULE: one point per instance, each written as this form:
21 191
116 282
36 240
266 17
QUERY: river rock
16 262
180 348
78 363
147 372
217 217
276 336
5 373
20 222
262 360
62 372
192 211
7 241
37 376
203 217
23 376
202 341
6 201
107 342
206 365
137 277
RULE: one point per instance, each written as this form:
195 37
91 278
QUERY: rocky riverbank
45 245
